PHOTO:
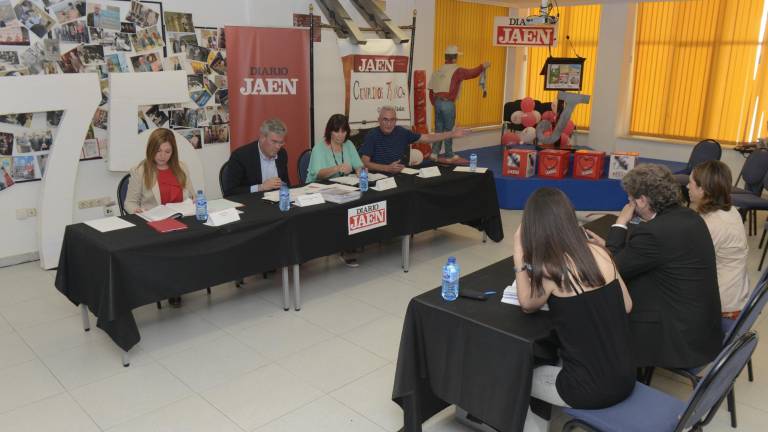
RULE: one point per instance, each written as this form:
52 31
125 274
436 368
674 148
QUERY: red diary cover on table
167 225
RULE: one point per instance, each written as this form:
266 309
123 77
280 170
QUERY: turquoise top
322 157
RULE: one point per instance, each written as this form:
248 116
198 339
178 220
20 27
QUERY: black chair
733 329
749 203
705 150
648 409
122 191
303 165
222 171
752 172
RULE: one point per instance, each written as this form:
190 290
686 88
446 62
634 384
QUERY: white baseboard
19 259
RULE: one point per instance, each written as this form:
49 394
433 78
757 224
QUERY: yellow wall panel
470 27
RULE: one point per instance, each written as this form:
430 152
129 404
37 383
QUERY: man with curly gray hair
667 260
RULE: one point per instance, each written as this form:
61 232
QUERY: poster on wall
375 74
269 72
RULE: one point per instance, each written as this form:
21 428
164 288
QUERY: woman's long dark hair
337 122
554 243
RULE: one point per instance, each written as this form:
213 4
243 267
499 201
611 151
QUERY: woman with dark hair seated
709 188
557 265
335 156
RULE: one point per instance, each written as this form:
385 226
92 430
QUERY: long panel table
115 272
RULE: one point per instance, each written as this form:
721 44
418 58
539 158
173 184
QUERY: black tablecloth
115 272
478 355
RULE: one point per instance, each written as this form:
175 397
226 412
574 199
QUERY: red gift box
519 163
553 163
588 164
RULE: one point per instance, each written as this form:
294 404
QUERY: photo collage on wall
103 37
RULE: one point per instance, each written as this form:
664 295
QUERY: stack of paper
510 296
108 224
350 180
274 195
339 195
479 170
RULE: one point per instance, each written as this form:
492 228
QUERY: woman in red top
161 178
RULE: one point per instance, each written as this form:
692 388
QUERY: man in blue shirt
387 148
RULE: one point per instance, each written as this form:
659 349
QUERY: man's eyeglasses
387 120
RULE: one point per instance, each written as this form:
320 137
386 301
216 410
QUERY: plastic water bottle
363 180
473 162
285 198
451 272
201 207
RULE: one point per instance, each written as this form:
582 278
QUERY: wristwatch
525 267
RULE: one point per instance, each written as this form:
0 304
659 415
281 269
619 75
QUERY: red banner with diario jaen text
268 76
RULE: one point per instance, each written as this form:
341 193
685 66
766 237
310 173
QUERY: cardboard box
588 164
620 163
554 163
519 163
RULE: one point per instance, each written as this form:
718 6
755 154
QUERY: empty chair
303 165
752 172
222 171
705 150
749 203
648 409
732 330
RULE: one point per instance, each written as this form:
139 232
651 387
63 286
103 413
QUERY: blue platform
603 195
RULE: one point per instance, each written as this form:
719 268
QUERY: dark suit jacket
244 169
669 266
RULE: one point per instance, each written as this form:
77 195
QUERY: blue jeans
445 119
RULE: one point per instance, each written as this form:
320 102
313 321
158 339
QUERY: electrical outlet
24 213
109 211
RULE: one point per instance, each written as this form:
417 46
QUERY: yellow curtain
582 25
470 27
697 72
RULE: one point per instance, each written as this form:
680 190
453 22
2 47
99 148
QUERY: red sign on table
366 217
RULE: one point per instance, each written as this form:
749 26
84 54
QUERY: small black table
479 355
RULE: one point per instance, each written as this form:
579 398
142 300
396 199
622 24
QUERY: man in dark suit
259 166
668 263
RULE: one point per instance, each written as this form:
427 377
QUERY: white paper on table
409 171
480 170
350 180
428 172
108 224
510 296
158 213
372 177
186 207
222 204
309 199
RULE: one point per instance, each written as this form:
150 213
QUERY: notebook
167 225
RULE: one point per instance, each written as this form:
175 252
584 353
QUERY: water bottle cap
452 260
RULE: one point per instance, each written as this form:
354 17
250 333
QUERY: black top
244 169
593 328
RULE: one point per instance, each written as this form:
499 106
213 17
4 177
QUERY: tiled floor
234 361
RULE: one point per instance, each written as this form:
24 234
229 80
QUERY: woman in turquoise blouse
335 155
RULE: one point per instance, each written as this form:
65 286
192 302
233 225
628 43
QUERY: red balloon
529 120
569 127
548 115
527 104
564 139
510 138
